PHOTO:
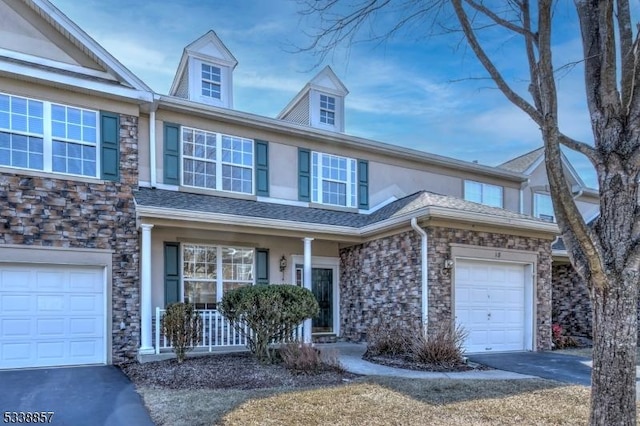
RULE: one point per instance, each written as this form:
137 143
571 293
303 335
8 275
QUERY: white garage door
490 305
51 316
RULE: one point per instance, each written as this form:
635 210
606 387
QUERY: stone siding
58 211
571 304
381 280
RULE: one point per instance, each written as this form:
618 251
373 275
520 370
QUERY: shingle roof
558 245
249 208
522 163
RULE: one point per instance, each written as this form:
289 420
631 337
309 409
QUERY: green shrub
270 312
182 326
441 347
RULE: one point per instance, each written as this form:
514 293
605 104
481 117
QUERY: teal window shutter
262 266
363 184
110 146
262 168
171 273
304 174
171 155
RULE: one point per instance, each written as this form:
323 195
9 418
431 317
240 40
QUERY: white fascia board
179 72
535 164
289 128
56 64
559 253
46 77
96 49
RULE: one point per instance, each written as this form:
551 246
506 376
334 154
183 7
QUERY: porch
217 333
199 265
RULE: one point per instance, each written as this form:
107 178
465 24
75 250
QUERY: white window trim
483 185
219 280
195 83
536 206
349 182
327 110
218 162
212 82
47 139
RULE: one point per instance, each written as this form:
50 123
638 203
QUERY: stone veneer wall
57 211
440 282
571 304
380 280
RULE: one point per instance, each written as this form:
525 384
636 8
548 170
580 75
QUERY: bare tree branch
627 57
498 20
581 147
516 99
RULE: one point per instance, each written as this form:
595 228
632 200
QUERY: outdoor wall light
283 265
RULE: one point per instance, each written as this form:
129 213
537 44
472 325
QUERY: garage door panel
50 303
491 308
15 303
50 281
56 318
50 327
85 303
85 282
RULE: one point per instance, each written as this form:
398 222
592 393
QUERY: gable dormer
319 104
205 73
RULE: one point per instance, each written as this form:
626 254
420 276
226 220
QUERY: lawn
377 401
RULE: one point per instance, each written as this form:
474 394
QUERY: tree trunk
613 395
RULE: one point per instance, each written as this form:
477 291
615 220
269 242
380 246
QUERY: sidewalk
350 356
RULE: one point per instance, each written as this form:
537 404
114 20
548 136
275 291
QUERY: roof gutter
424 270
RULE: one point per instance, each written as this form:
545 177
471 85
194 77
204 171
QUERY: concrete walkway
350 356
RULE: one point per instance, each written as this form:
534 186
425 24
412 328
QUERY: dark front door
322 287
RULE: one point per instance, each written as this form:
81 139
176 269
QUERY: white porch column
307 284
146 311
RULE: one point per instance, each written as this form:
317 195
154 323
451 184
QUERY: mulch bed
226 371
405 362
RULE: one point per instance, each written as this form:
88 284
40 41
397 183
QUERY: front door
322 287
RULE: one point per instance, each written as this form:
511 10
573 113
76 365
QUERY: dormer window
211 79
328 110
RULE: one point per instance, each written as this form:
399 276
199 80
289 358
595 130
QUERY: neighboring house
132 200
68 166
571 305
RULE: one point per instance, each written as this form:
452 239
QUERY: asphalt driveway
548 365
94 395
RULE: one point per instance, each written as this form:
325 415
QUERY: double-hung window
50 137
543 207
217 161
328 110
333 180
483 193
208 271
211 81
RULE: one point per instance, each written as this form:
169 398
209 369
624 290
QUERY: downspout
152 147
425 270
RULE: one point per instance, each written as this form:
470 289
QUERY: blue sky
411 90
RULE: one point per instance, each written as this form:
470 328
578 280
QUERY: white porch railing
217 332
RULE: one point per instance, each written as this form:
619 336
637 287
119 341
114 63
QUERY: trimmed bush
442 347
270 312
182 326
390 338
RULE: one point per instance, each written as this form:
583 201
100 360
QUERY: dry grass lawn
378 401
